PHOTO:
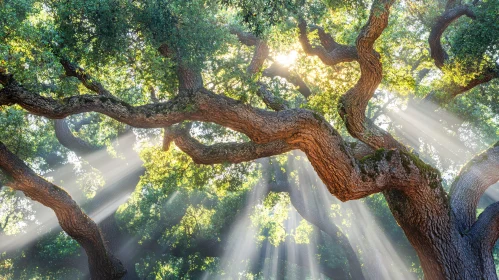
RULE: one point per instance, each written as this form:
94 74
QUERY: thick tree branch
330 53
473 180
484 234
437 52
301 129
485 231
353 104
68 140
103 265
223 152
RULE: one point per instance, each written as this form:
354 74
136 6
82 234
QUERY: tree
155 46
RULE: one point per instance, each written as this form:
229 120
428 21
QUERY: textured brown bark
102 263
330 53
223 152
354 103
472 182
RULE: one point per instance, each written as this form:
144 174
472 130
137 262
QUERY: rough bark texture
102 263
444 252
330 53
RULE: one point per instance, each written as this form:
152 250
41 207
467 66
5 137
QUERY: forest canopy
263 139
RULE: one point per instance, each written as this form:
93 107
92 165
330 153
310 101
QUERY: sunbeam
373 247
106 201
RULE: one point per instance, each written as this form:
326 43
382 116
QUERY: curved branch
68 140
485 231
280 70
440 56
223 152
103 265
353 104
473 180
301 129
437 52
330 53
246 38
273 102
484 235
482 78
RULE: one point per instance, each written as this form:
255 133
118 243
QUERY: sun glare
287 59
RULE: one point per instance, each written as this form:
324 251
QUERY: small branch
482 78
269 99
73 70
326 39
259 56
279 70
152 95
246 38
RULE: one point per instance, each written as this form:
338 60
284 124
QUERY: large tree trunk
444 252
